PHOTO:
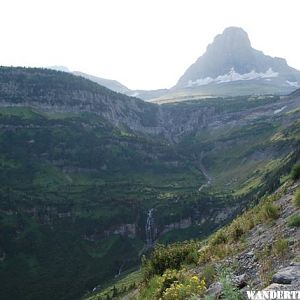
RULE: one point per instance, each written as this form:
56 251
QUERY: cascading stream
206 175
149 228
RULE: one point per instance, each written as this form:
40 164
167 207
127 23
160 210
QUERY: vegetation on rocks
297 198
230 292
173 284
280 247
294 220
172 256
296 171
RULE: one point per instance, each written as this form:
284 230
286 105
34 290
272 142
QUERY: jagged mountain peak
231 38
230 58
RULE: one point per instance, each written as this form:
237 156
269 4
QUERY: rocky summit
229 67
231 59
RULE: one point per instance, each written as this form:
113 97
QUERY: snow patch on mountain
293 83
134 94
277 111
232 75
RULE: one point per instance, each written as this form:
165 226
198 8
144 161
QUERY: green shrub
151 291
265 265
280 247
296 171
206 254
208 274
229 291
171 256
192 257
220 237
249 220
270 211
213 253
173 285
184 288
294 220
168 278
297 198
236 230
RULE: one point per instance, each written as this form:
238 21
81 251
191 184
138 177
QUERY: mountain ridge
232 50
228 67
114 85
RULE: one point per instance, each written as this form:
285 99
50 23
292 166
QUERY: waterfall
149 228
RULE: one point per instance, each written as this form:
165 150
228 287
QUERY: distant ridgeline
91 179
229 66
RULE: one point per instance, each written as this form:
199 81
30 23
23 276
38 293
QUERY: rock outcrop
287 275
252 268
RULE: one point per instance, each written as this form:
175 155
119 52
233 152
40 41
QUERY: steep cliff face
55 91
52 91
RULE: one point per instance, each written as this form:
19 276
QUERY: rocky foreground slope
270 257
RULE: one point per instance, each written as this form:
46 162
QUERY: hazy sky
145 44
